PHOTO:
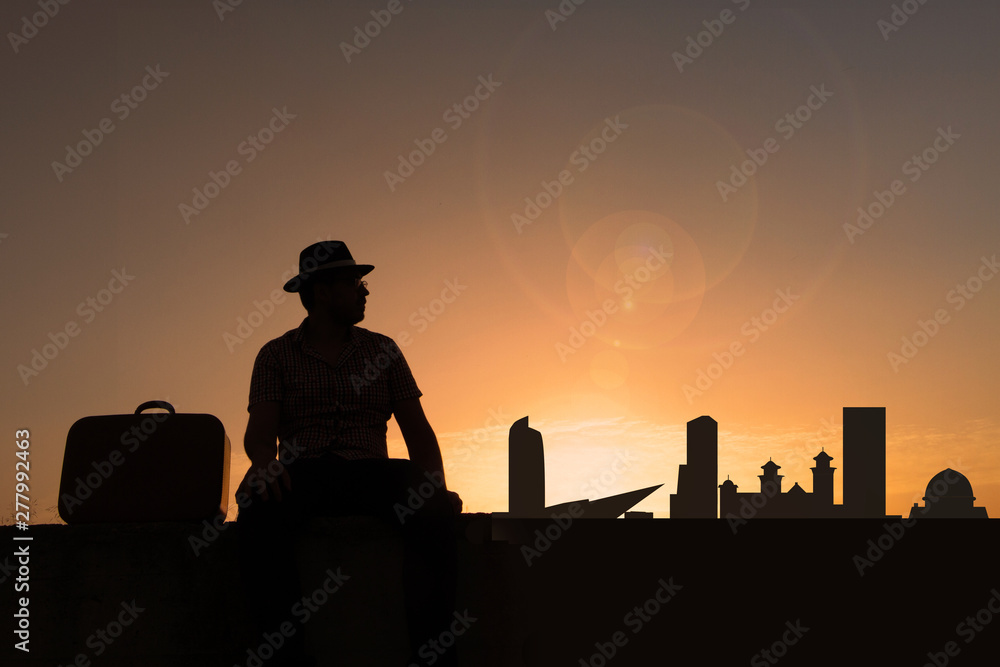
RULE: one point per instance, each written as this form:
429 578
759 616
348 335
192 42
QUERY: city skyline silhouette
699 495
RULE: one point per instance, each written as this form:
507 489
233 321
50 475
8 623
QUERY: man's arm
421 443
261 445
261 440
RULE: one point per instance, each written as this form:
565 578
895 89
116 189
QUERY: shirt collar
300 334
300 339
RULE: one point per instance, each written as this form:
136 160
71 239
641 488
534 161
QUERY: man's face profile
342 297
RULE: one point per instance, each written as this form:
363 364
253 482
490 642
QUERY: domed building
948 496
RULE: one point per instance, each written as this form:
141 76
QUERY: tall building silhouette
864 463
526 471
697 494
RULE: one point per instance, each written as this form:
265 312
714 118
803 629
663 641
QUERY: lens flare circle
635 280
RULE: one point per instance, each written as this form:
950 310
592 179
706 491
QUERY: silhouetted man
320 399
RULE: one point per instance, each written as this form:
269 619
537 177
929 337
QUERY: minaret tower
823 484
770 475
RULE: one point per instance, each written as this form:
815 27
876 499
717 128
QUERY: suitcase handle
155 404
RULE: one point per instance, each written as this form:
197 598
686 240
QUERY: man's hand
267 474
456 501
266 479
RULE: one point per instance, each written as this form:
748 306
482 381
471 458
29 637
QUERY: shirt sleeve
265 381
401 382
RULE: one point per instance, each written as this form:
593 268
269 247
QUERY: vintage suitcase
154 466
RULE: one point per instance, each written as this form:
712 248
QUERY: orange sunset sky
631 228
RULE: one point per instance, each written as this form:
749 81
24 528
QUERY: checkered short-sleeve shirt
344 408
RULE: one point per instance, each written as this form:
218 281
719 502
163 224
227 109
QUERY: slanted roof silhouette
526 484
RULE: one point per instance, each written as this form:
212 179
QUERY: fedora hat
323 256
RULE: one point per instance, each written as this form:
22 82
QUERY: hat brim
295 284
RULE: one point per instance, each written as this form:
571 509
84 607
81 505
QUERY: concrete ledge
870 592
188 607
